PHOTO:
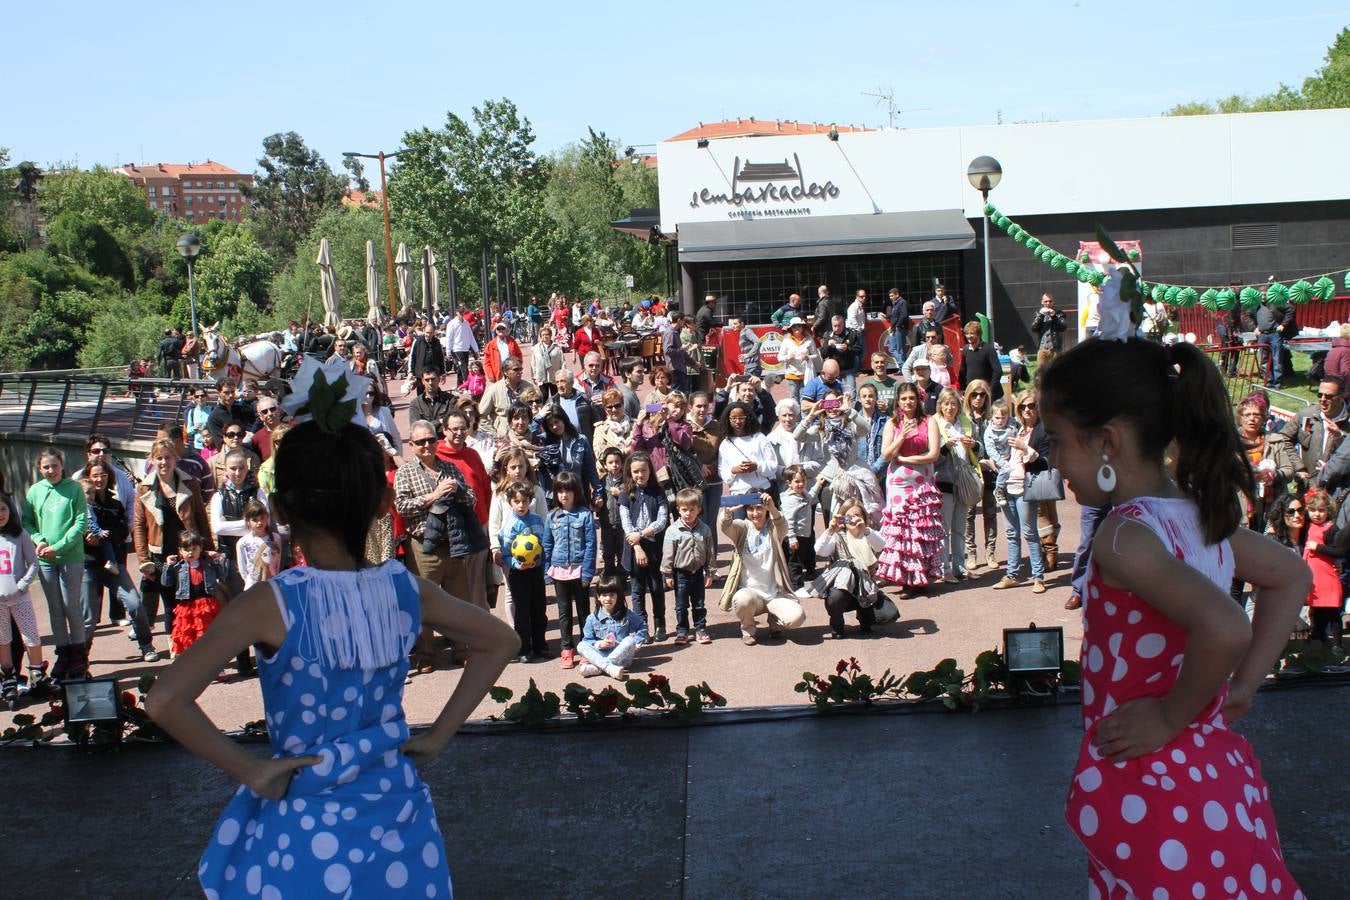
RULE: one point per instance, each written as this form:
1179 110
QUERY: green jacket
55 514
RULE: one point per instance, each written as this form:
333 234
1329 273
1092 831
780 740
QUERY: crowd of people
633 477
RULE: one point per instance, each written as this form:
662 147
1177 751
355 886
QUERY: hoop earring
1106 476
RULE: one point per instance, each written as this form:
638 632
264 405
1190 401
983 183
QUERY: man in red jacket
455 449
498 350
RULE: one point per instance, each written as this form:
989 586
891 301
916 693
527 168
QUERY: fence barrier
114 405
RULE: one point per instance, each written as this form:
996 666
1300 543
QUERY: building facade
1209 198
195 191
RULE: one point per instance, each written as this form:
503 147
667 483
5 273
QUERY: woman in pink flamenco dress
912 520
1166 799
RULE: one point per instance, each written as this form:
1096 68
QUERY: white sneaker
588 671
616 672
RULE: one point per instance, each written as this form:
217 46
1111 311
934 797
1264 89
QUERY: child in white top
258 554
18 568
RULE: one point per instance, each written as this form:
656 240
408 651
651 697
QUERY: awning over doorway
859 235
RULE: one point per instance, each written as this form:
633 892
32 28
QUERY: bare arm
1132 557
1281 581
491 644
250 618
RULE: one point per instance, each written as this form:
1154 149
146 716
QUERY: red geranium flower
128 699
839 667
655 681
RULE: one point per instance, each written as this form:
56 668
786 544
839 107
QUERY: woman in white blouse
745 458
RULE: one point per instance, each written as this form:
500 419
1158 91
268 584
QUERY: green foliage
536 707
123 329
1328 89
90 244
946 682
98 195
293 189
232 268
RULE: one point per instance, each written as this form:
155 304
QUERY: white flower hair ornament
329 393
1121 303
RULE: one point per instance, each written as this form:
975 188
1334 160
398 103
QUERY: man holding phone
1319 428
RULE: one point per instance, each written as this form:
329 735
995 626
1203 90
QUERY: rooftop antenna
886 97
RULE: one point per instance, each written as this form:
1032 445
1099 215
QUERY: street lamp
388 235
189 245
984 174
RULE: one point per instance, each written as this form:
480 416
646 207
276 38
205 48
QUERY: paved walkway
923 806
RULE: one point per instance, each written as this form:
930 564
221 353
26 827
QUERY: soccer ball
526 550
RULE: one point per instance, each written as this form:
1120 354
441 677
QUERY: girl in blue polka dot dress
338 810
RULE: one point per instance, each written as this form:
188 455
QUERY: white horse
258 359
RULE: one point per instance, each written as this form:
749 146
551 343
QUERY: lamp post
388 234
984 174
189 245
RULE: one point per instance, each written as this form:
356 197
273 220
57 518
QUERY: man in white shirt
856 317
460 342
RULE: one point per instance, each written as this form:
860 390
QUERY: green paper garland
1081 268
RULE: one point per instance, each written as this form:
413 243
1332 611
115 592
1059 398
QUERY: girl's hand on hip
273 776
1135 729
422 748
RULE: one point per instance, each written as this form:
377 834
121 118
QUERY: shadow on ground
926 805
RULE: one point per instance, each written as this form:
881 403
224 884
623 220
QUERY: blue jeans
65 603
689 594
648 580
896 345
1021 516
97 580
620 656
1089 517
1274 343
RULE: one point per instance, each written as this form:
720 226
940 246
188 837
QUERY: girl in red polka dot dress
1166 799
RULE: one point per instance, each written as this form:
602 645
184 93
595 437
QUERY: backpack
683 467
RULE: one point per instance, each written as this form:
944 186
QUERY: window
222 201
220 185
151 191
188 201
153 204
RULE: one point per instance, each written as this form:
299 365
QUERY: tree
124 329
232 269
99 195
1328 89
91 245
480 188
293 189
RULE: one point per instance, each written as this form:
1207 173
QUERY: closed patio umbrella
431 283
328 286
372 285
403 273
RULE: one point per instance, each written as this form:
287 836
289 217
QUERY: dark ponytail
1211 468
1166 394
331 483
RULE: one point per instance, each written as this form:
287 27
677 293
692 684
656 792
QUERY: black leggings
570 595
1327 626
531 614
840 602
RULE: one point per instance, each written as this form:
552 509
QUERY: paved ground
926 805
957 621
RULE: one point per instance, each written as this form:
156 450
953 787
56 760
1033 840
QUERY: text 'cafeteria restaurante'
1209 199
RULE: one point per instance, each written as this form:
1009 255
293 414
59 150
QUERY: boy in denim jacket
687 553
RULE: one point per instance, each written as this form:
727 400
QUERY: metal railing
114 405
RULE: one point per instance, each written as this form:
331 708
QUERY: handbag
1045 485
968 483
885 612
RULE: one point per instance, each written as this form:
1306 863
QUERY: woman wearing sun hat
799 355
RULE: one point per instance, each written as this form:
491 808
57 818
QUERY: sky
155 83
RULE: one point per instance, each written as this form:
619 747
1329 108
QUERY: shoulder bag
1044 485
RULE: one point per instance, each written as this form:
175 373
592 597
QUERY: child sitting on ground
196 578
999 451
612 634
686 555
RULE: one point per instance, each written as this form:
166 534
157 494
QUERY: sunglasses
270 409
1322 396
613 406
237 434
98 449
1295 511
978 394
422 442
1026 406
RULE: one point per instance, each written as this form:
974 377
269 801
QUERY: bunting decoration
1216 299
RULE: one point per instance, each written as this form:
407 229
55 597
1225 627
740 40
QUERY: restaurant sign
758 188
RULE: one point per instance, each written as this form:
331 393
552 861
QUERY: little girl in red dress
194 577
1166 799
1322 551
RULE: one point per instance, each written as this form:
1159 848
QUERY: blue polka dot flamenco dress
360 823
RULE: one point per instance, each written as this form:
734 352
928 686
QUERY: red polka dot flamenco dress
1193 819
